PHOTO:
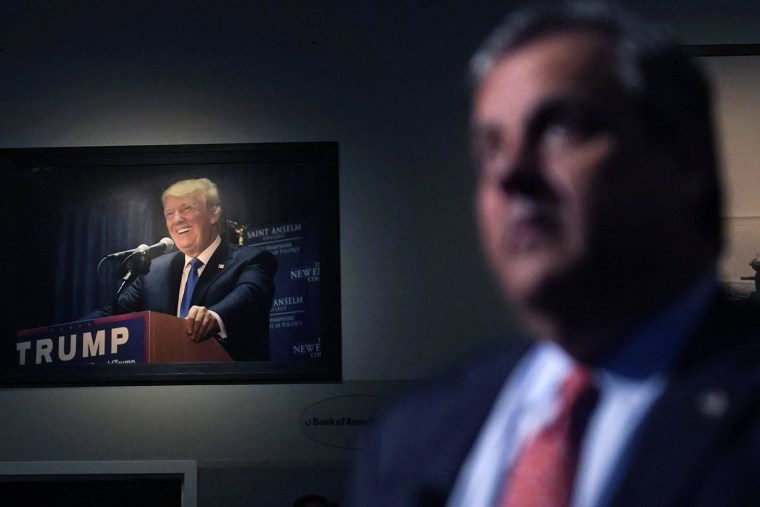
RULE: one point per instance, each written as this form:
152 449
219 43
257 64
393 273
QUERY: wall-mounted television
68 208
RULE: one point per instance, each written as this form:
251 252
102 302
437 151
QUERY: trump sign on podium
143 337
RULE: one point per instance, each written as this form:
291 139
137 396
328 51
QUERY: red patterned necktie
544 471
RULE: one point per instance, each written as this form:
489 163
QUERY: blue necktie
192 279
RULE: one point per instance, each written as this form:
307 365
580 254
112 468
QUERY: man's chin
186 247
554 294
530 284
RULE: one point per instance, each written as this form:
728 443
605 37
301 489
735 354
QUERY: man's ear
215 216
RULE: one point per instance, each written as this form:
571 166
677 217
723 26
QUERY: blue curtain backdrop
118 222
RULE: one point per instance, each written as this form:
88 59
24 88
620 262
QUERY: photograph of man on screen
223 291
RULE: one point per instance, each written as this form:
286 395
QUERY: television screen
87 227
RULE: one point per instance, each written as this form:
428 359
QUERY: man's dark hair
666 90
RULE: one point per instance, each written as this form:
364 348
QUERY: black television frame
76 164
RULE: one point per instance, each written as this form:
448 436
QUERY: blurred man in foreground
599 209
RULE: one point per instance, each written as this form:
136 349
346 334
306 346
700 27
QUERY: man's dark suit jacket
237 283
699 445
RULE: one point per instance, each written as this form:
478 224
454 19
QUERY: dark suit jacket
699 445
237 283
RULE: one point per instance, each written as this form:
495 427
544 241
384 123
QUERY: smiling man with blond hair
233 285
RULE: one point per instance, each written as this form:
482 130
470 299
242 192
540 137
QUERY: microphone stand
135 264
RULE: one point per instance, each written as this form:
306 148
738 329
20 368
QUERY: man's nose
523 174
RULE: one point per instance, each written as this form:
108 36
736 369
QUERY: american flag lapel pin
220 266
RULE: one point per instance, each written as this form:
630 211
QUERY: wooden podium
166 341
141 337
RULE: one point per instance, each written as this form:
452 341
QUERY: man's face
562 172
190 223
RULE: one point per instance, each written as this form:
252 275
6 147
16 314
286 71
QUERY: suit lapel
174 276
216 264
708 394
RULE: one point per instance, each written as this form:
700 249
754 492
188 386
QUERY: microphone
166 245
138 261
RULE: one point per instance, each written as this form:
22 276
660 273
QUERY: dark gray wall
385 80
